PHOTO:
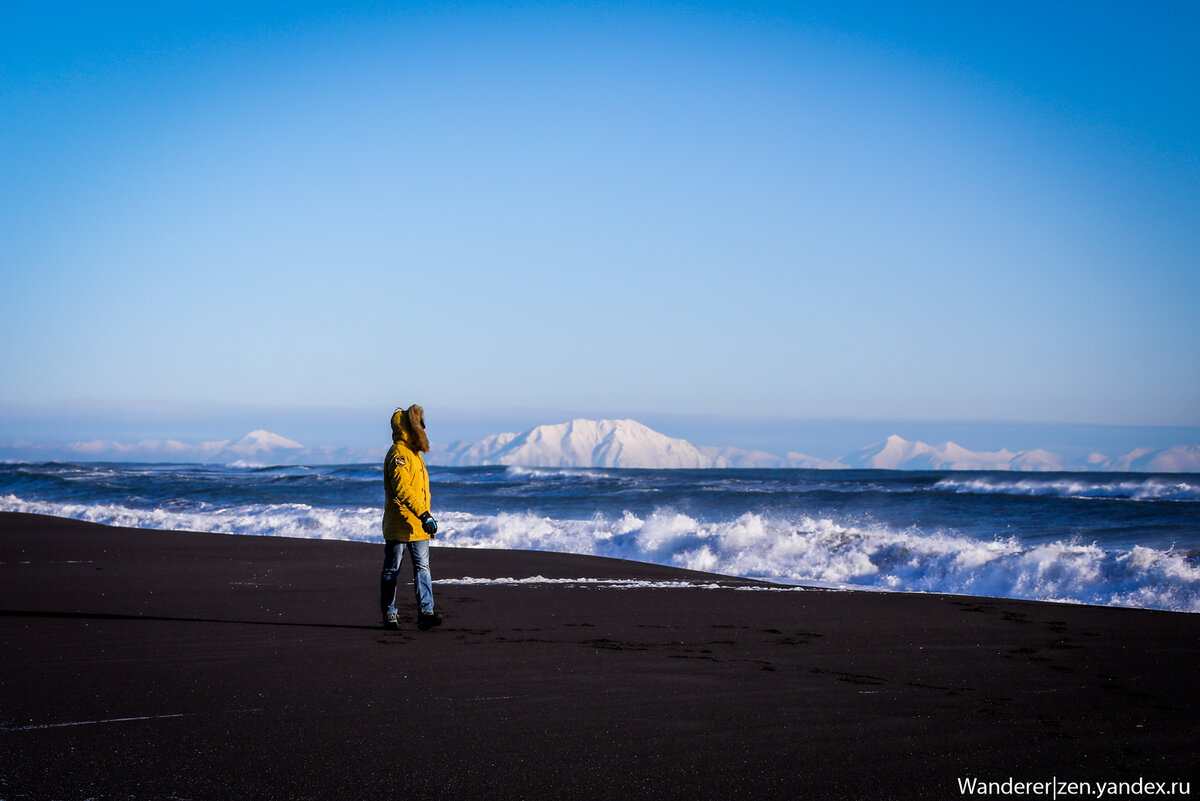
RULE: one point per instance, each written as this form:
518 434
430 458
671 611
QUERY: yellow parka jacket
405 478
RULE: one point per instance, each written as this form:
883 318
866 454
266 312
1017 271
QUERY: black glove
428 524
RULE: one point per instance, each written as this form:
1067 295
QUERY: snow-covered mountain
580 443
891 454
897 453
607 443
259 447
260 443
465 454
1180 459
738 457
627 443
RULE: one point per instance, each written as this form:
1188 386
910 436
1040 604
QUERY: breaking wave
260 519
822 551
520 473
1136 489
787 549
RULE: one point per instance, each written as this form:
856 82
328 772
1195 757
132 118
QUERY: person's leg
392 552
422 578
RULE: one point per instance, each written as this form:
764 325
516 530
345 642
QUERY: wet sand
153 664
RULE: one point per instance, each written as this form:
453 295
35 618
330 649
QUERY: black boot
428 620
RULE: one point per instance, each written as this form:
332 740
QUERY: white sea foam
1139 489
523 473
272 520
790 550
619 584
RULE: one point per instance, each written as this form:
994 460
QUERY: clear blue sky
929 211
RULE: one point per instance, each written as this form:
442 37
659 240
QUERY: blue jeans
418 554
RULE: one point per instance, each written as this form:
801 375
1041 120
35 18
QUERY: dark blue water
1125 539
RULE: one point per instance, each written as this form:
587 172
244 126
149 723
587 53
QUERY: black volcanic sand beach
152 664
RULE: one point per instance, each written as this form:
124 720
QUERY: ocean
1094 538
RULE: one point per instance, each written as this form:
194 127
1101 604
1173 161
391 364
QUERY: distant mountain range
579 443
628 443
607 443
896 453
610 443
259 447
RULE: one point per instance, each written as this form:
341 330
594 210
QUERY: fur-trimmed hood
408 426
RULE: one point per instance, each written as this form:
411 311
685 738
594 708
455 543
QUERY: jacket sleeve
404 478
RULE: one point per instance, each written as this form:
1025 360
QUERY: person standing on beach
408 524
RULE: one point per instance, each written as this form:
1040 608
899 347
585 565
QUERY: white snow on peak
260 442
805 462
890 454
739 457
897 453
628 443
1179 459
259 447
1036 459
580 443
598 443
610 443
